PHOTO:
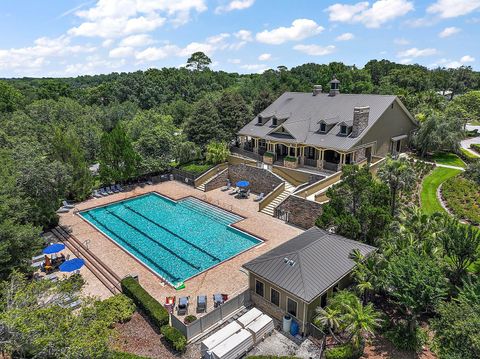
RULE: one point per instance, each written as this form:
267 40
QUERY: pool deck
227 277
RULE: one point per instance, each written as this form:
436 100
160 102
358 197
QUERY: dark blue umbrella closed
243 184
72 265
54 248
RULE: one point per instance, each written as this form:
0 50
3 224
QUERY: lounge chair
37 264
247 194
217 300
68 205
75 304
259 197
119 187
51 277
114 189
103 192
227 187
109 190
63 210
96 194
182 306
201 303
38 258
233 191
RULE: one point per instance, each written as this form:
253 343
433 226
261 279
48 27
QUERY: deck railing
215 317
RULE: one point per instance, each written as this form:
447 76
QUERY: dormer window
260 120
343 129
323 127
274 121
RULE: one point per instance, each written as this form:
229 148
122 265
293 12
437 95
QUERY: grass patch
196 168
463 198
449 159
469 157
428 196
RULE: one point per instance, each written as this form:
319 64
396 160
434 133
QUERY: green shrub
196 168
345 351
290 159
402 339
173 336
189 319
269 154
149 305
116 309
463 198
475 147
270 357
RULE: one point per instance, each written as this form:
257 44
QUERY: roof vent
334 86
291 262
317 89
331 230
285 260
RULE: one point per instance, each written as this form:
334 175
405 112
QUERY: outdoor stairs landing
270 209
201 187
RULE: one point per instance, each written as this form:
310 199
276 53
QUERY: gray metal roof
305 111
320 260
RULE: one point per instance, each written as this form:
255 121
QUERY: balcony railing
310 162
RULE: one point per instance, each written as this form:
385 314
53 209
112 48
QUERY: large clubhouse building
327 130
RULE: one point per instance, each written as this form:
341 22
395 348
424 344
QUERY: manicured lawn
428 196
449 159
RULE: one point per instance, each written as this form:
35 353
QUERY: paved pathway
469 141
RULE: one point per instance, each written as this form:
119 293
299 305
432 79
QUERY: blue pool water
177 240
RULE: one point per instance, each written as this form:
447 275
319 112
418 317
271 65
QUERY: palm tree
398 175
329 318
363 320
345 314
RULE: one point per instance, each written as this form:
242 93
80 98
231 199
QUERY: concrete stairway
201 187
270 209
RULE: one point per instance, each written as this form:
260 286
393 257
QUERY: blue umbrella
72 265
243 184
54 248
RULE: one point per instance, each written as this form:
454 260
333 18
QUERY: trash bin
287 321
294 328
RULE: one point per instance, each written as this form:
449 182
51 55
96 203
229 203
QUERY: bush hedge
269 154
173 336
463 198
116 309
345 351
290 159
149 305
475 147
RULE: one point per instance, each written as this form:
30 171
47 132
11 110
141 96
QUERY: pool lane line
133 248
152 239
172 233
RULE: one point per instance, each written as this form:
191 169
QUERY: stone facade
360 155
260 180
302 212
268 160
360 120
216 182
290 164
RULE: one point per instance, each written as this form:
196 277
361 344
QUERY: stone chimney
317 89
334 86
360 120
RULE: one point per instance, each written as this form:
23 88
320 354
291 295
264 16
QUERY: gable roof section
320 260
306 111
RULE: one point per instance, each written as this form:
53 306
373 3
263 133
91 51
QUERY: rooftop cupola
334 86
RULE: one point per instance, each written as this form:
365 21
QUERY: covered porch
293 155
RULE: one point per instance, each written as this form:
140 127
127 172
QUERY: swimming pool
176 240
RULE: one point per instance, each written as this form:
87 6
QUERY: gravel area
278 344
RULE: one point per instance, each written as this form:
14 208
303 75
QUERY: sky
57 38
